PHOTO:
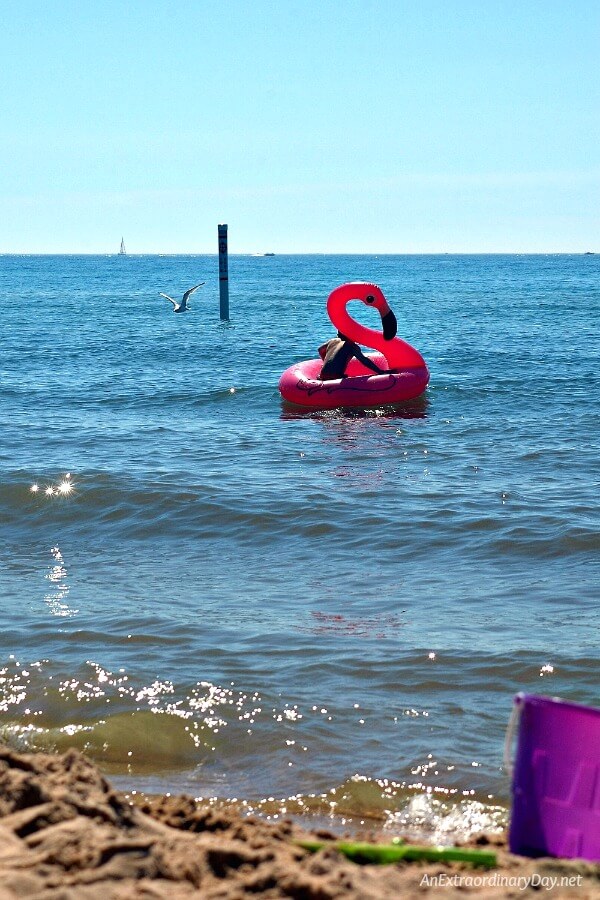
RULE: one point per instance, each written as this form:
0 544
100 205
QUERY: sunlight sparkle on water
56 598
63 488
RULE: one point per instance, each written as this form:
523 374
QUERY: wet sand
66 833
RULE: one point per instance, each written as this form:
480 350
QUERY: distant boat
589 253
263 254
122 251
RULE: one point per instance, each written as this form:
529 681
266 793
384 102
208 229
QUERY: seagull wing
166 296
191 291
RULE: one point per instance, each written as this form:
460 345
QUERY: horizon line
307 253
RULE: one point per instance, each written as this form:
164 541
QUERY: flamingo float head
376 299
397 352
370 295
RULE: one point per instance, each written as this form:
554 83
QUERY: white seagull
183 306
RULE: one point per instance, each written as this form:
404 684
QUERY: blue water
212 592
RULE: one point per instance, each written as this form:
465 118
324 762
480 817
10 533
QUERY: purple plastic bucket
556 779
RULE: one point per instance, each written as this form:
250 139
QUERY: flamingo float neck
397 352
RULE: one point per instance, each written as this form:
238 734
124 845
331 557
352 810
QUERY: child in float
337 353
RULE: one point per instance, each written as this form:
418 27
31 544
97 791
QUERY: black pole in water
223 274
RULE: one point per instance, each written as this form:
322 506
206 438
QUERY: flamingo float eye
370 298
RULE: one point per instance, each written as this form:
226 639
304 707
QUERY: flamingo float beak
390 325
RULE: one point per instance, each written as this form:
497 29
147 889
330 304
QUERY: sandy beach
66 833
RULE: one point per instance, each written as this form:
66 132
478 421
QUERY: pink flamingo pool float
301 383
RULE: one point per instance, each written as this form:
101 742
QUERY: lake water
211 592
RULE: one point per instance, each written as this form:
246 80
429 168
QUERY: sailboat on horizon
122 251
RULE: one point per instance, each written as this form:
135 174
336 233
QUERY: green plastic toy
382 854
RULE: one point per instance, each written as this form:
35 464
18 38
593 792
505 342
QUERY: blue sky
380 126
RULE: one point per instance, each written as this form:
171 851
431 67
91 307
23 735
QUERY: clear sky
391 126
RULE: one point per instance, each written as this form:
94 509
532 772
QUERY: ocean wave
493 524
133 742
148 747
441 816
